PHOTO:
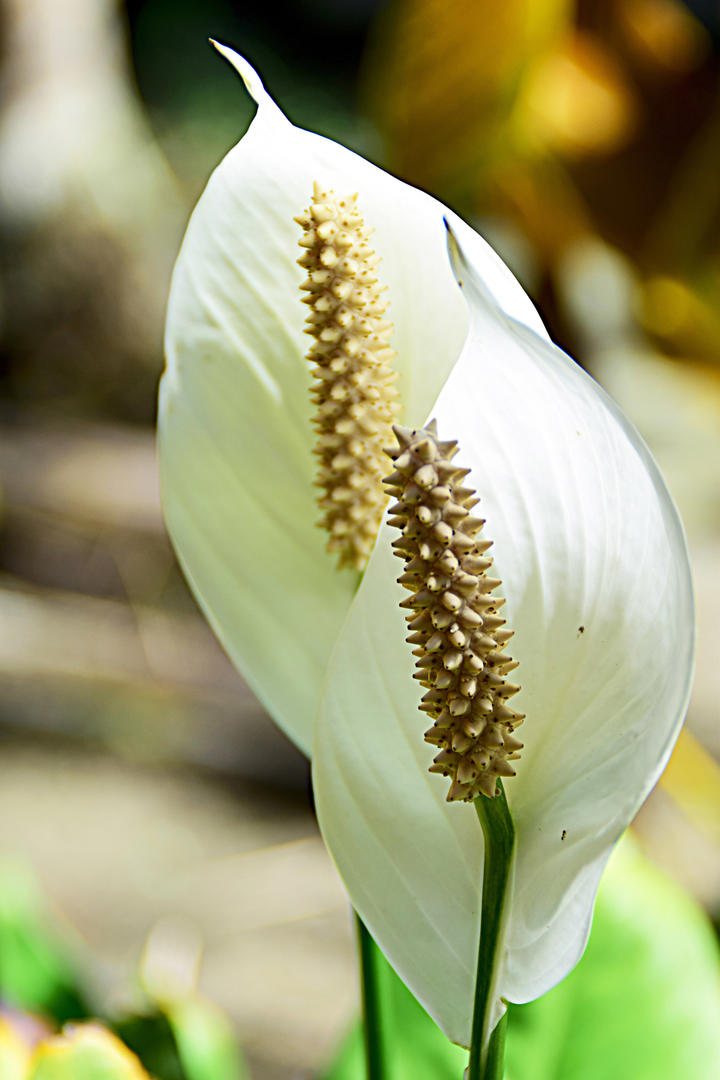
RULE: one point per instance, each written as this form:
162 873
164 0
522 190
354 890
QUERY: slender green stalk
487 1048
496 1051
371 1005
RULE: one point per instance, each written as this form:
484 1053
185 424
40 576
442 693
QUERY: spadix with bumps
453 615
354 392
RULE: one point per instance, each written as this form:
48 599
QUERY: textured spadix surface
235 426
353 373
593 563
454 616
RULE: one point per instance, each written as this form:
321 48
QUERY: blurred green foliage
642 1004
206 1043
87 1052
644 1001
180 1037
37 973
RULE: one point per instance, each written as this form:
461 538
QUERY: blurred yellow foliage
679 316
663 34
576 99
565 122
444 76
14 1053
85 1052
692 779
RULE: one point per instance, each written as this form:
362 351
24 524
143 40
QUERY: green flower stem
371 1005
496 1051
487 1048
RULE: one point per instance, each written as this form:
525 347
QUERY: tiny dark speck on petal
581 629
563 834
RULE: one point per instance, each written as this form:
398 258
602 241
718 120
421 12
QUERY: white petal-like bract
594 566
235 435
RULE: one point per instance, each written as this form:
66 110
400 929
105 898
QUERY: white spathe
235 437
594 566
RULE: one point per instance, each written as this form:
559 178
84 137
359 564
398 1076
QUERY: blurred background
162 818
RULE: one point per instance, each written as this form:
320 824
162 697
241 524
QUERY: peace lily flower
593 563
587 544
236 437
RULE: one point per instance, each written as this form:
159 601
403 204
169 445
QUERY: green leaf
644 1002
152 1038
417 1048
205 1040
35 971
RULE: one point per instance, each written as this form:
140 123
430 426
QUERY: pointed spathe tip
248 74
458 261
466 273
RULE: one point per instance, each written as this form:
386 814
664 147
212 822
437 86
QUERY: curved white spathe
594 566
235 437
